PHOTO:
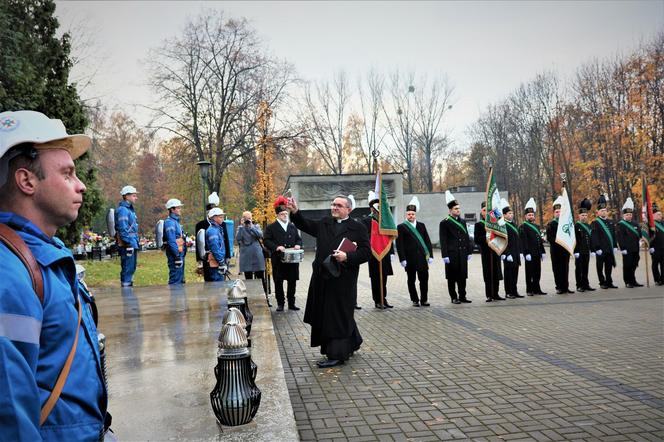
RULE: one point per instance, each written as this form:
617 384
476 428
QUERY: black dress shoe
518 296
570 291
329 363
380 306
293 307
280 308
489 300
612 286
561 292
603 286
456 301
425 304
629 286
510 296
529 293
386 305
498 298
581 290
416 304
542 293
636 284
589 289
465 301
357 307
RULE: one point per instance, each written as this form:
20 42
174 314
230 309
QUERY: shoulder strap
16 244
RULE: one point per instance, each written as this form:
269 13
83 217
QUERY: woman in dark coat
333 288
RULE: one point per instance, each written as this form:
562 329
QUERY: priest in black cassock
456 249
333 287
491 271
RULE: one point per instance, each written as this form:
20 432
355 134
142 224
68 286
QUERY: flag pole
646 244
486 239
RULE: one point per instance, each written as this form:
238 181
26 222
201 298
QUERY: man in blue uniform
40 193
126 226
175 242
214 241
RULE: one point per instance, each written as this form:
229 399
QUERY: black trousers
423 276
453 285
375 288
291 285
533 274
491 288
658 267
581 268
257 275
511 275
604 268
207 274
630 263
560 265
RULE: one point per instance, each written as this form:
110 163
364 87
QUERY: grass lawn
150 270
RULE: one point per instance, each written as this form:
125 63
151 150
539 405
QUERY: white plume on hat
126 190
213 198
531 204
559 200
372 196
503 204
352 202
629 204
448 197
414 202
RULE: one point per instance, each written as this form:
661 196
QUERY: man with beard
533 249
582 250
456 250
491 271
602 241
628 235
332 292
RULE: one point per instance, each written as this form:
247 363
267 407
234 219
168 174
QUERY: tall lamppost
204 167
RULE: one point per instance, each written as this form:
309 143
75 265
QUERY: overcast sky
485 48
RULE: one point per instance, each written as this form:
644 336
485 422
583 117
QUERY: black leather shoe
456 301
629 286
561 292
518 296
425 304
386 305
529 293
357 307
589 289
489 300
498 298
380 306
510 296
416 304
612 286
581 290
280 308
329 363
541 293
603 286
570 291
465 301
293 307
636 284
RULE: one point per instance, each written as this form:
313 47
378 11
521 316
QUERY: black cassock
331 301
276 236
606 242
455 244
629 241
491 270
374 269
559 257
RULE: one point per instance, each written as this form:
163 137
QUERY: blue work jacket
126 224
35 340
214 240
172 231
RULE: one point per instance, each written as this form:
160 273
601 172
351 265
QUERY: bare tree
209 82
371 103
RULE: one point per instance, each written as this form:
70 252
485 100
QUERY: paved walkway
586 366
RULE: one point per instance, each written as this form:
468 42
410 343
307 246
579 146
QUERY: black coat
455 244
274 237
582 233
409 247
373 262
513 248
657 239
331 301
557 251
627 240
600 241
531 241
490 259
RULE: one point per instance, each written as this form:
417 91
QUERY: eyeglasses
338 206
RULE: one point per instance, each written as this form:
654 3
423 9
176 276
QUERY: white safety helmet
126 190
215 211
173 202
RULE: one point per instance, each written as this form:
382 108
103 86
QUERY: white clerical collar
284 225
342 220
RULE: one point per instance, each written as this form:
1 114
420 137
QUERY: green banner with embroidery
459 225
606 230
414 231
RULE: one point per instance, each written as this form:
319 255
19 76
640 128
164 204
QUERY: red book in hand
347 245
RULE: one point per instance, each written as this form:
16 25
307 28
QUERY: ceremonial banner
383 230
566 236
496 231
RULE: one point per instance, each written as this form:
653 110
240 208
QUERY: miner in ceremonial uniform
386 262
491 270
657 247
582 250
456 249
532 247
603 243
512 254
415 253
628 235
559 255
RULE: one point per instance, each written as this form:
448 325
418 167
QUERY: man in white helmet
44 314
126 236
175 242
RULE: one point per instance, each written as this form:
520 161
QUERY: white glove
430 260
509 258
130 251
392 257
178 263
403 264
624 252
576 256
542 257
529 258
592 254
469 257
599 252
503 257
521 255
652 251
615 250
223 269
446 260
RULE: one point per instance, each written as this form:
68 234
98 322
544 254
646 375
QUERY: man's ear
26 181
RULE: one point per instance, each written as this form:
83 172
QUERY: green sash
513 227
534 227
417 235
606 230
630 227
459 225
585 227
659 226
